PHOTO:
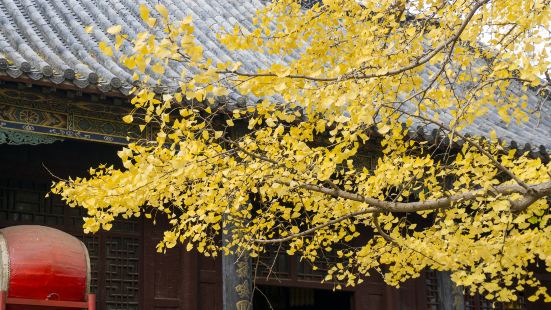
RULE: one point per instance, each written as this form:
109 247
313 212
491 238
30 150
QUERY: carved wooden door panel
162 273
115 264
178 279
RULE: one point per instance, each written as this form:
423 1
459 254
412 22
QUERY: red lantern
45 267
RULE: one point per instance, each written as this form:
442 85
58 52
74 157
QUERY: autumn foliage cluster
326 145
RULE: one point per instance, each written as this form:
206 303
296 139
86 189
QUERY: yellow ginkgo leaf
144 12
128 118
162 10
114 29
106 49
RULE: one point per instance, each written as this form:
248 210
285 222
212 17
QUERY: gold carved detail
242 269
243 289
242 305
29 116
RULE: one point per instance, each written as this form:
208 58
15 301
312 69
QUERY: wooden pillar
236 268
236 282
450 295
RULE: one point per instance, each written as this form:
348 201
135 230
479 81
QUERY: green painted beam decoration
45 114
13 137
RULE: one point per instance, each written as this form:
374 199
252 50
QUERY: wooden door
178 279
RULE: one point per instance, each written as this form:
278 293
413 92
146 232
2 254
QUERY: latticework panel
273 264
26 202
478 302
470 302
122 273
307 271
519 304
92 244
431 288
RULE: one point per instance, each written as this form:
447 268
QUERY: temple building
61 108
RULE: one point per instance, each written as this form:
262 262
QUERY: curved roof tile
45 39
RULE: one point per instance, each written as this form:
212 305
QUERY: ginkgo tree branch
538 191
531 193
380 230
296 172
315 228
257 156
352 75
494 161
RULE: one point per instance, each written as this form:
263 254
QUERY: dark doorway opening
267 297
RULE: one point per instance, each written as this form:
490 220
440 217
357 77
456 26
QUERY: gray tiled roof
45 40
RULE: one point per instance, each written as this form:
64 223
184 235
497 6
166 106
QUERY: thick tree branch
536 192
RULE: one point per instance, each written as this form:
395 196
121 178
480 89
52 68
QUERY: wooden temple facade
61 103
47 132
